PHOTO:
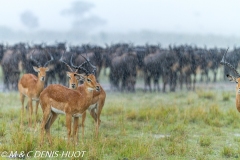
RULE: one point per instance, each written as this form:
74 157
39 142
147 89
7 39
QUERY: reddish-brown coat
67 100
31 86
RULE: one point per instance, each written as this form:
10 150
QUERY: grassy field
184 125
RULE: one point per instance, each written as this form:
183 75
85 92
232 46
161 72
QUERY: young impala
233 79
31 86
57 99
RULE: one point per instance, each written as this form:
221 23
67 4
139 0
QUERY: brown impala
97 102
57 99
31 86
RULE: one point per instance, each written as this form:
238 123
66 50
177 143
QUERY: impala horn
34 60
94 67
61 60
79 67
49 60
223 62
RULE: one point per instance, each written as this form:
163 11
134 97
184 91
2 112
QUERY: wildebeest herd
176 65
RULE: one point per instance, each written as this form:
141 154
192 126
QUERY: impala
31 86
233 79
73 84
98 100
57 99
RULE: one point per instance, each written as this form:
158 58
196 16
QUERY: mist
156 22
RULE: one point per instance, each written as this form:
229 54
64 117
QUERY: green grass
198 125
181 125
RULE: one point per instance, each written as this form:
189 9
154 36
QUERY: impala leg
22 97
83 120
53 117
46 116
75 129
68 125
93 114
30 111
36 110
99 110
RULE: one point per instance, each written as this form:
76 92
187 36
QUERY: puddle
236 134
158 136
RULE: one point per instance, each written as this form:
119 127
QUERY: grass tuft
226 96
206 94
227 152
205 141
3 130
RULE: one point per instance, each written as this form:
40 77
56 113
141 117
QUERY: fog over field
201 23
137 38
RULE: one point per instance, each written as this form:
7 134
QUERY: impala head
89 79
91 82
41 72
41 69
236 80
230 77
74 78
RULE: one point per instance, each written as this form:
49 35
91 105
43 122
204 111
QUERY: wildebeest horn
223 61
34 60
49 60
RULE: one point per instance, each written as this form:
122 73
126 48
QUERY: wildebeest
164 63
123 70
12 64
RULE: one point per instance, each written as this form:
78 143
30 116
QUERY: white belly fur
58 111
77 115
93 106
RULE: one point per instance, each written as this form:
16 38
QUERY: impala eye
88 80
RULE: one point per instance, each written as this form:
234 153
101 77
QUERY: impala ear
35 69
47 69
232 79
68 74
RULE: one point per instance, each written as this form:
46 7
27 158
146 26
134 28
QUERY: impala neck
83 89
40 85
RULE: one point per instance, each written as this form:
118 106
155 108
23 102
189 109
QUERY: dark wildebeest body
123 69
12 64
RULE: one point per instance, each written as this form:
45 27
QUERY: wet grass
184 125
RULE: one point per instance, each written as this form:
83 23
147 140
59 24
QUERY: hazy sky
219 17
